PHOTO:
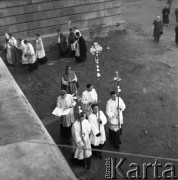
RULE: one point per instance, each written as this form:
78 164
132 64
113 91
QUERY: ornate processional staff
95 50
117 79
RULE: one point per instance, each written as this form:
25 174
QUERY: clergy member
40 52
115 118
89 97
31 57
81 130
66 101
97 120
69 81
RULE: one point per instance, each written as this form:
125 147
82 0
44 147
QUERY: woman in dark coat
158 29
166 13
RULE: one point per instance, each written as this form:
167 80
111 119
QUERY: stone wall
25 18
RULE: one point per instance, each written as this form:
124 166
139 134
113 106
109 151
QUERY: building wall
25 18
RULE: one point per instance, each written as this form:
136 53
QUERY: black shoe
87 167
120 142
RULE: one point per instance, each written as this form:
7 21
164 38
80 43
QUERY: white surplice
31 58
23 48
97 128
79 140
67 102
115 117
40 52
87 98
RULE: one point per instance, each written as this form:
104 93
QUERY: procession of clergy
86 131
22 51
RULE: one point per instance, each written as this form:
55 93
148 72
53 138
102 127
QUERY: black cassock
83 50
176 34
165 13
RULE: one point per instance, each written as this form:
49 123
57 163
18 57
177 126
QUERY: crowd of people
84 125
158 23
22 51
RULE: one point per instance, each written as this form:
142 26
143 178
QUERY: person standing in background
21 46
71 40
157 29
169 2
61 43
40 52
165 13
31 57
176 35
16 53
176 13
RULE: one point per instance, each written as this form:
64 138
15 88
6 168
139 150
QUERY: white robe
8 53
78 141
40 53
31 58
96 128
115 122
88 97
23 48
67 102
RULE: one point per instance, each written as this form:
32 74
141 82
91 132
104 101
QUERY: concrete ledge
25 151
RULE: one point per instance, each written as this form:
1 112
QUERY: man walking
81 130
97 120
114 108
89 97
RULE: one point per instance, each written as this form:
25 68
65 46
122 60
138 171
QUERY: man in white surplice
81 130
89 97
115 118
40 52
97 120
66 101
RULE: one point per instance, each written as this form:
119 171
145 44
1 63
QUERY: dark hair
63 92
70 29
77 33
67 67
25 41
58 30
74 27
94 105
89 85
20 39
112 93
10 34
82 114
38 35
